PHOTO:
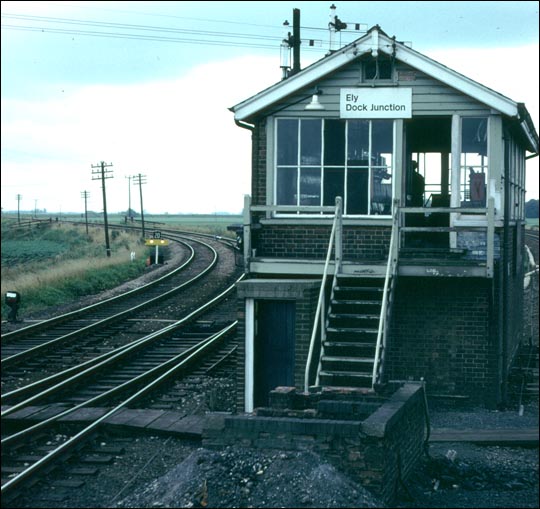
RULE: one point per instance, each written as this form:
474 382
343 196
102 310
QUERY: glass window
310 141
334 180
334 142
358 142
473 161
287 141
310 186
378 69
381 146
348 158
286 186
357 185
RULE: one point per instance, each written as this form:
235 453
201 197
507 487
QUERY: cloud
180 134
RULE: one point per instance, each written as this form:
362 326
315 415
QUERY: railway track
135 370
198 337
85 335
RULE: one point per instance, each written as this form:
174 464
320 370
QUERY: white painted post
247 232
339 236
455 198
249 362
490 234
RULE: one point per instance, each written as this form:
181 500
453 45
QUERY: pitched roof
375 40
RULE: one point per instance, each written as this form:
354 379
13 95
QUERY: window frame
273 167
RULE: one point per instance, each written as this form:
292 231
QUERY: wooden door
274 347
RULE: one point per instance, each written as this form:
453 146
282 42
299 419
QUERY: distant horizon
53 212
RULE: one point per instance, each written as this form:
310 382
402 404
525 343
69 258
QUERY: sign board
156 234
386 102
156 242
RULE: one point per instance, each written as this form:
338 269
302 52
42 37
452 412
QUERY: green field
55 262
213 223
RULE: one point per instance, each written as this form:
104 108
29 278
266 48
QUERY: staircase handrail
390 272
335 223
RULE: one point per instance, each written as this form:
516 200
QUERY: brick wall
258 164
311 242
378 451
442 330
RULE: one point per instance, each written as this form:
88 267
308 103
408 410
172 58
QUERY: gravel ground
468 475
159 471
453 475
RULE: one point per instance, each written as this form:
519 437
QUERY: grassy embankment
57 263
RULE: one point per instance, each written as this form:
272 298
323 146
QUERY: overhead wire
221 38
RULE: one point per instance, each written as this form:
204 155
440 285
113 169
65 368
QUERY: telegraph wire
273 41
137 36
107 24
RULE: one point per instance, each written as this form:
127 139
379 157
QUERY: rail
158 377
388 292
335 233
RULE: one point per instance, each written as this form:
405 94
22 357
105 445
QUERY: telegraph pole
102 173
138 179
19 198
129 195
85 195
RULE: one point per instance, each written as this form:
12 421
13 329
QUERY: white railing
337 234
484 223
391 270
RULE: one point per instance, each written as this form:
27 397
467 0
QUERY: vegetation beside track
56 263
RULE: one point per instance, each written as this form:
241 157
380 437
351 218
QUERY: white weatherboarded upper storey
375 42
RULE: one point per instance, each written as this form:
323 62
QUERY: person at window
417 187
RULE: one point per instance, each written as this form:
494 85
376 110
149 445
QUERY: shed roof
376 40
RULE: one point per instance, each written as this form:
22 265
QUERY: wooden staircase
351 332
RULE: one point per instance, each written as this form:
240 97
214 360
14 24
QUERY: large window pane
334 142
474 161
310 141
310 186
381 141
358 143
474 135
287 141
334 180
286 186
357 191
381 191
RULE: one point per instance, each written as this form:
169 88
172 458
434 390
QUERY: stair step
349 349
359 360
353 374
357 302
353 280
358 331
354 316
345 378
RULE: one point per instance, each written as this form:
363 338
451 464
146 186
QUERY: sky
146 87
